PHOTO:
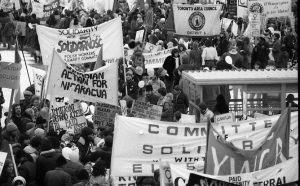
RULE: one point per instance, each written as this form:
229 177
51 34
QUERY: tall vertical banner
38 78
98 85
271 8
197 20
232 7
68 117
82 45
105 114
255 24
2 160
223 158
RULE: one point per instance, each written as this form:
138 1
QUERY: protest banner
38 9
255 24
271 8
149 48
196 179
6 5
223 158
105 114
283 173
225 23
203 20
232 7
82 45
139 36
10 75
68 117
156 59
180 143
2 160
185 118
98 85
50 8
224 118
146 110
38 79
124 180
124 108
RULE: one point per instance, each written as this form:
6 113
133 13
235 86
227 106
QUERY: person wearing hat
205 112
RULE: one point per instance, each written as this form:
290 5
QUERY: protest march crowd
67 129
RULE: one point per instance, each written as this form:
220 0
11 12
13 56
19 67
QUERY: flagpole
10 102
26 66
289 128
13 159
207 136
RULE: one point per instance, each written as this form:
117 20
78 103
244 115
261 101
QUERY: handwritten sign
10 75
224 118
105 114
146 110
68 117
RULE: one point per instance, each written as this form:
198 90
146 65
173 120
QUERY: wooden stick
13 159
10 102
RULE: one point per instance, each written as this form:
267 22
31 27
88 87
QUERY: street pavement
9 56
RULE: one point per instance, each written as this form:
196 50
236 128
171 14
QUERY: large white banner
181 143
197 20
100 85
156 59
270 8
2 160
82 45
38 79
282 173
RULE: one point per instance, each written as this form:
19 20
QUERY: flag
170 25
116 5
223 158
17 94
99 62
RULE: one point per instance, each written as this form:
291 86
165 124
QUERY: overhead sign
10 75
68 117
197 20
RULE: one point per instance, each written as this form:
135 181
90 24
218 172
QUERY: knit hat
19 178
10 127
27 93
39 132
74 155
66 151
29 149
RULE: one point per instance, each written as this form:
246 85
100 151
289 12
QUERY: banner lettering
146 110
105 114
10 75
270 8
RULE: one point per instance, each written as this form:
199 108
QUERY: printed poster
146 110
105 114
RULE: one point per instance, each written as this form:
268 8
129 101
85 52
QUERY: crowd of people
44 157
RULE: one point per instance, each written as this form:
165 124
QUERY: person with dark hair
177 116
58 177
276 49
181 101
171 63
132 87
205 112
209 55
103 153
83 177
260 53
46 161
290 100
100 175
10 135
26 167
283 58
221 106
16 116
83 144
195 56
150 96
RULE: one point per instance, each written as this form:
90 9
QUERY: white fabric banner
2 160
38 78
197 20
149 48
279 174
82 45
156 59
181 143
225 23
271 8
37 9
100 85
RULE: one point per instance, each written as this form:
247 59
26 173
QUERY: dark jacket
260 53
57 177
71 168
132 89
104 153
152 99
181 103
27 170
170 66
44 163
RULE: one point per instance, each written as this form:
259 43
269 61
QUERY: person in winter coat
16 117
171 63
168 110
71 154
104 153
46 161
138 58
84 143
276 49
58 177
26 167
10 135
209 55
283 58
132 87
181 101
221 106
261 53
7 174
195 58
8 33
100 176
